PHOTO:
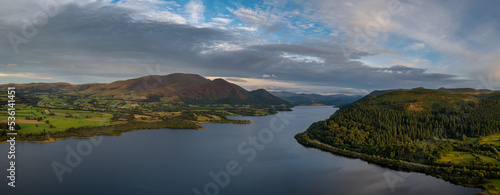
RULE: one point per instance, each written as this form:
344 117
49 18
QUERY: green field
462 157
36 120
491 139
496 183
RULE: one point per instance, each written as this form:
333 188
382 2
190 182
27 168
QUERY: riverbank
398 165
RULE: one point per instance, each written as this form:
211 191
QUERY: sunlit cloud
25 76
297 87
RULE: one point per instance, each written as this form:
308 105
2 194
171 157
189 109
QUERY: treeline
462 175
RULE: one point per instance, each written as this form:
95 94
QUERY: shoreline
397 165
52 140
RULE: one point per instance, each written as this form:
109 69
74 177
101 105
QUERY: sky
303 46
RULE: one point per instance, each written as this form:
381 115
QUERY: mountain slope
216 91
268 98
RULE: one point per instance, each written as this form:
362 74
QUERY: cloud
222 20
155 10
101 42
297 87
302 58
195 9
269 76
415 46
268 22
25 76
7 66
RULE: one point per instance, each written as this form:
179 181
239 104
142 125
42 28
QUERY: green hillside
446 131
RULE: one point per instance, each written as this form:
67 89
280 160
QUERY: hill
307 99
419 130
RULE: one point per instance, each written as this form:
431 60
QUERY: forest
435 129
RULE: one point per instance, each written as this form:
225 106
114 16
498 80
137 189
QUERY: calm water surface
169 161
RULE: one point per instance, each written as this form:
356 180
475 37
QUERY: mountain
338 99
269 98
174 88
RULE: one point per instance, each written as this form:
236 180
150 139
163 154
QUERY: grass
203 118
60 121
470 140
496 182
462 157
39 119
64 112
492 139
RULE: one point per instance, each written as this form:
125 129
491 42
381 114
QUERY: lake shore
104 130
397 165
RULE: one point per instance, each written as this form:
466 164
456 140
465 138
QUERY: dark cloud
100 40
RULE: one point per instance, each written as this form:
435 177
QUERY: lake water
169 161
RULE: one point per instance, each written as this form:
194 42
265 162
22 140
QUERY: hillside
307 99
423 126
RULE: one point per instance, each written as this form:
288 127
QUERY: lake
257 158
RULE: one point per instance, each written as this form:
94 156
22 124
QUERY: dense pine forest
438 129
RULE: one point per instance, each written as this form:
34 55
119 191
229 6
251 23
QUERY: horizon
253 89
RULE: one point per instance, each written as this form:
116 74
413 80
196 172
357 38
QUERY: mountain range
307 99
174 88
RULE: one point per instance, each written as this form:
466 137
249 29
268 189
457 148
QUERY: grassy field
36 120
491 139
470 140
462 157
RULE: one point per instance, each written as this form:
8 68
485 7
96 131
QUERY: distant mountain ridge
174 88
298 99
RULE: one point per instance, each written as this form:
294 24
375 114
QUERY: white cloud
248 29
222 20
157 10
258 18
269 76
302 58
220 47
195 10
